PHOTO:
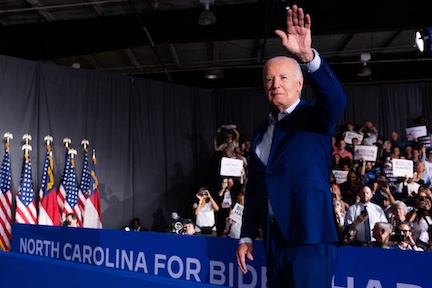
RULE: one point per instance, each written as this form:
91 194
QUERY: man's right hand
243 250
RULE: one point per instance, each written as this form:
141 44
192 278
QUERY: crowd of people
218 211
374 208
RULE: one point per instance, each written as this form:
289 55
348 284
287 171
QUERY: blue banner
210 260
186 257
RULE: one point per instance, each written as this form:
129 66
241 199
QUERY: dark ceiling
160 39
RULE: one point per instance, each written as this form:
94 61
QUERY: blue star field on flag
6 177
71 185
85 177
26 194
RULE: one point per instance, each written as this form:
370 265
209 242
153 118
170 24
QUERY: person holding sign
287 193
234 221
226 199
369 132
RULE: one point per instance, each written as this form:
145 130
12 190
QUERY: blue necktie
367 227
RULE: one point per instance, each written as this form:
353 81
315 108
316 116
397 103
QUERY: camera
397 238
66 223
203 193
179 226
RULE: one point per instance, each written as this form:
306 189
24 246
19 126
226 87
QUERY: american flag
71 188
6 202
61 195
92 212
84 185
49 213
25 200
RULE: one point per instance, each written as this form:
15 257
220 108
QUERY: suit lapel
283 130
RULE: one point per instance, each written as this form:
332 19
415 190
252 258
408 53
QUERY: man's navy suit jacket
296 178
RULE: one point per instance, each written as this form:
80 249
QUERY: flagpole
61 193
6 197
25 201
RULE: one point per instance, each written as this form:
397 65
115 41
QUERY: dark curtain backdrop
154 141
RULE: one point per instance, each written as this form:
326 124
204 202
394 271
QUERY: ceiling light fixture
214 74
206 17
364 70
423 40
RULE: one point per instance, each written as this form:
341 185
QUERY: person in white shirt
369 132
233 224
364 211
407 188
205 222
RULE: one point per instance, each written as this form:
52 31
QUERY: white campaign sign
231 167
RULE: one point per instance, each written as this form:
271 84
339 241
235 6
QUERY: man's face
190 229
282 83
73 222
342 144
365 194
405 230
136 224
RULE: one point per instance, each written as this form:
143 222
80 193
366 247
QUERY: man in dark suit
288 189
136 225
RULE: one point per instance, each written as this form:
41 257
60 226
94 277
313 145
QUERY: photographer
403 238
421 218
71 220
189 229
205 209
180 225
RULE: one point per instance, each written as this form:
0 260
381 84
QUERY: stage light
364 70
206 17
423 40
213 74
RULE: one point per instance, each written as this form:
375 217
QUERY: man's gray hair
298 72
384 226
